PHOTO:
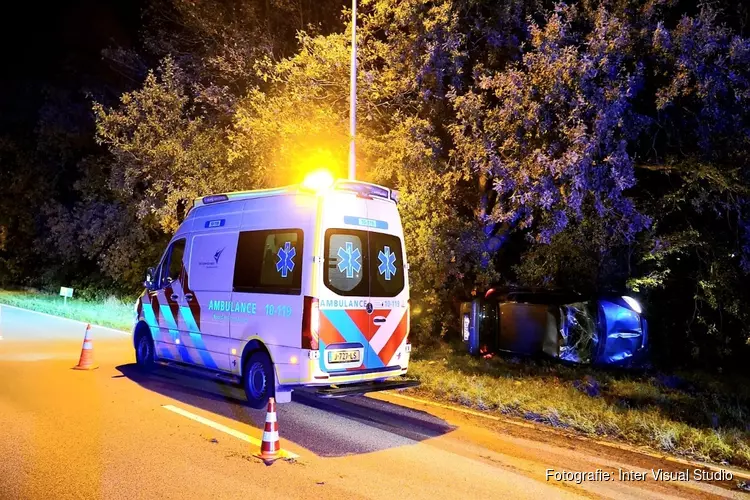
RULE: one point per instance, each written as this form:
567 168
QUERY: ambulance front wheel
258 379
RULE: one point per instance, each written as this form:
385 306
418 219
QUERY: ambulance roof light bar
364 189
214 198
317 183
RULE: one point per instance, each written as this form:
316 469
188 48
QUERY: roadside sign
65 293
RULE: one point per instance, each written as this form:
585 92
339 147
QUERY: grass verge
693 415
111 312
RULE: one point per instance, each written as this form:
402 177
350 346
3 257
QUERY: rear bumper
317 378
364 387
355 376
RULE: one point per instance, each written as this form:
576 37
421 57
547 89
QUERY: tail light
310 324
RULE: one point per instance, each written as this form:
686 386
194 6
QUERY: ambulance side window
269 262
171 266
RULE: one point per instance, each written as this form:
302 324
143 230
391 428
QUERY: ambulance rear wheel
144 352
258 380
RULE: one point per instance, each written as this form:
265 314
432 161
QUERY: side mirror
149 283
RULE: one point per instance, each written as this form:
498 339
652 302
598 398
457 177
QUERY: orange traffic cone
87 353
270 449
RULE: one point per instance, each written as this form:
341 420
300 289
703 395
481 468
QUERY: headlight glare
633 304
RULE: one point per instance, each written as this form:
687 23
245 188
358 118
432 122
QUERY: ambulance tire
258 379
144 352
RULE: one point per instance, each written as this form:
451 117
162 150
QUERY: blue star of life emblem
387 263
286 255
350 260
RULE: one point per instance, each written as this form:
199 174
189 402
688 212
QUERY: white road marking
66 319
227 430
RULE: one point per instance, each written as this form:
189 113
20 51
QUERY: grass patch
112 312
694 415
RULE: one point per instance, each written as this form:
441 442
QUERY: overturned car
604 330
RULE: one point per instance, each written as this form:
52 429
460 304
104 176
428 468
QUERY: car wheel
258 380
144 352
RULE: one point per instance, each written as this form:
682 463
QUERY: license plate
344 356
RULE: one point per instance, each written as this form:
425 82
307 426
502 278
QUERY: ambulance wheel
258 380
144 352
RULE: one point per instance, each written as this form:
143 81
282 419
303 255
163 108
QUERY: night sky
57 44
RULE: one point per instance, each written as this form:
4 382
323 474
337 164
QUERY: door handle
378 320
174 296
189 296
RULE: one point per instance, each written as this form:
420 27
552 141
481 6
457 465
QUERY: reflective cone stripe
270 436
270 446
86 361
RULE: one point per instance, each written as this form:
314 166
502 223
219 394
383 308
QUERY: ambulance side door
164 298
207 286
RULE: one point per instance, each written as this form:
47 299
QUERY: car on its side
607 329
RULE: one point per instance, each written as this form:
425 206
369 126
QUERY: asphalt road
115 433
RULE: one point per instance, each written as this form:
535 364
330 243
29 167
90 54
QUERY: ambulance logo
217 255
351 260
286 254
387 263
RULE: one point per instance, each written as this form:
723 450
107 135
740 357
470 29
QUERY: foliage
21 189
164 154
552 132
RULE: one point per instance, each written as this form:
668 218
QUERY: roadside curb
64 318
736 473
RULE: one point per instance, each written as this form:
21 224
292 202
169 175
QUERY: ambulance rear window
363 264
386 265
346 257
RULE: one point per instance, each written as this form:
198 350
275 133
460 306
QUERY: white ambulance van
282 288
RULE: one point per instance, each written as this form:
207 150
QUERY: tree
165 154
300 122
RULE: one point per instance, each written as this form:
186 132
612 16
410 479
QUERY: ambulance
300 286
